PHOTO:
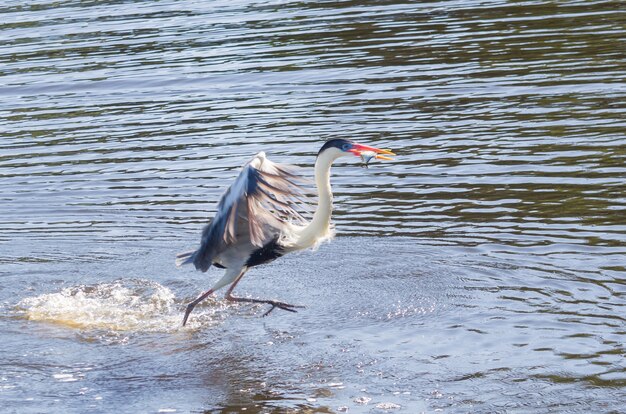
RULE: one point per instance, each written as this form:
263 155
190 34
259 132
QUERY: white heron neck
321 218
319 229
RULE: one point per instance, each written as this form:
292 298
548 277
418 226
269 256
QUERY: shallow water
481 271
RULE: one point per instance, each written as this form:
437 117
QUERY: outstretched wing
256 209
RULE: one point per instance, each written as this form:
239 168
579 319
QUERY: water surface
481 271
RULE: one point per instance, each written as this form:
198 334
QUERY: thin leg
274 303
194 303
231 274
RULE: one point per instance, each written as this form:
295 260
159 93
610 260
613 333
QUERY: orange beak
357 149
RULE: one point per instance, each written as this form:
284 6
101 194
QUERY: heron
257 219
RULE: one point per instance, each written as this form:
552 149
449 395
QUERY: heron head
343 147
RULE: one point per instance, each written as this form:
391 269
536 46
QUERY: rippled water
481 271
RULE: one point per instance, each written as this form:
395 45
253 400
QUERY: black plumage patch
271 251
334 143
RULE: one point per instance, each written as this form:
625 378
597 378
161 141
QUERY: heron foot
193 304
275 304
188 311
284 306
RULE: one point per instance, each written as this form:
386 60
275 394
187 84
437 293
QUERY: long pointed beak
357 149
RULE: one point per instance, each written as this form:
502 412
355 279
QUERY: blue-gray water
481 271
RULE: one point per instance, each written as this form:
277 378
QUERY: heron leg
232 274
194 303
274 303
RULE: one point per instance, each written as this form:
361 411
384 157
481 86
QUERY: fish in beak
368 153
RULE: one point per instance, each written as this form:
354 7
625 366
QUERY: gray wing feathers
255 210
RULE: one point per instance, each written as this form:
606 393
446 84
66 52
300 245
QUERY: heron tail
185 258
199 258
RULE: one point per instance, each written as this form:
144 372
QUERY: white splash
126 305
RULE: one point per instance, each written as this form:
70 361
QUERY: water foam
124 305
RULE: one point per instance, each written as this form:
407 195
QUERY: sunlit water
481 271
